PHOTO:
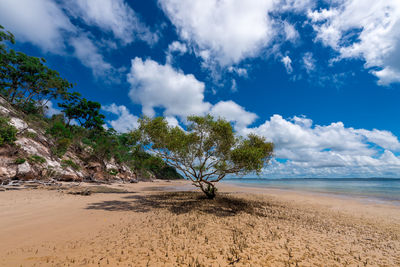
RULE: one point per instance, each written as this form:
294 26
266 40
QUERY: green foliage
28 84
113 172
4 58
87 113
251 154
7 132
207 151
69 163
26 81
58 129
36 159
109 144
6 36
30 107
37 121
62 135
157 166
153 163
62 146
104 144
19 161
31 135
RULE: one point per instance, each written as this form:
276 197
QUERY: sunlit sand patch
161 228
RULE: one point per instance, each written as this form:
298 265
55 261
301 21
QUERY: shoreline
157 225
361 196
348 204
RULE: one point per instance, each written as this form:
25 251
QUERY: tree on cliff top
87 113
26 81
207 151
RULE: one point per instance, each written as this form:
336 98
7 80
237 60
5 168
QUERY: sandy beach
168 224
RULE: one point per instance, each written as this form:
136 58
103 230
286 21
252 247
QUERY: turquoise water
371 188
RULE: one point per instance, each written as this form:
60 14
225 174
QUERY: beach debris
83 192
88 190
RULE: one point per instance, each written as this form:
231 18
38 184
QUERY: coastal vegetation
7 132
207 151
28 85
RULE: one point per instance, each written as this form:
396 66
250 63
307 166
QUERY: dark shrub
19 161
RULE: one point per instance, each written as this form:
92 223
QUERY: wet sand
167 224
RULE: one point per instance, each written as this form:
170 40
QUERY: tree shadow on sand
223 205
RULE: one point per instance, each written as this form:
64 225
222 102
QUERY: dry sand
154 225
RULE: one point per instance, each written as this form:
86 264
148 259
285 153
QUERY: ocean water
385 189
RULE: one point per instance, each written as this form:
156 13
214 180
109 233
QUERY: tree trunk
13 94
210 191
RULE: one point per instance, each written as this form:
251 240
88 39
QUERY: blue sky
321 79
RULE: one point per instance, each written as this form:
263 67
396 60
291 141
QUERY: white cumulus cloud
291 33
331 150
363 29
241 72
306 149
175 47
224 31
114 16
309 61
86 51
125 121
161 86
384 139
296 6
233 112
40 22
287 62
45 24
